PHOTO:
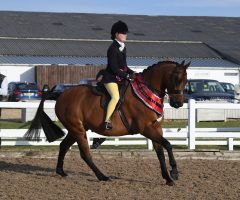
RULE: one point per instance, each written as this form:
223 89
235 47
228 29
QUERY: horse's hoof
104 178
174 175
170 183
61 172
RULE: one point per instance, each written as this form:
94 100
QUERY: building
29 40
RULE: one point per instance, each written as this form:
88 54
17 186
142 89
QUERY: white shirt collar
122 45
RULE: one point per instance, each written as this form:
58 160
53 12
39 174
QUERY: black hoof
104 178
60 172
170 183
174 175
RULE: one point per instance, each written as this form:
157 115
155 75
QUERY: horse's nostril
177 104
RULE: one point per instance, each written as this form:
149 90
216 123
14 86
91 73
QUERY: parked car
206 90
237 93
59 88
23 91
228 87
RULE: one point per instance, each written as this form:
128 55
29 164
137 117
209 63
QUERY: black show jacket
117 64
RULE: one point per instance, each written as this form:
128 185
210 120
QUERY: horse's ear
187 65
182 63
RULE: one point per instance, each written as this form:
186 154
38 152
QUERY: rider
117 69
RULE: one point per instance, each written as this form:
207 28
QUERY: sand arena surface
33 177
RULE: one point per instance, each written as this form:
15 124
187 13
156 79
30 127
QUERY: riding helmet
118 27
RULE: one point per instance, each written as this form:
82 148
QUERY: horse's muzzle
175 103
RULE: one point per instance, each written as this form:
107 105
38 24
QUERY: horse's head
176 84
170 76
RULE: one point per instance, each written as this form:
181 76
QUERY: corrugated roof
37 47
221 33
132 61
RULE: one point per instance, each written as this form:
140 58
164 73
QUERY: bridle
161 93
175 92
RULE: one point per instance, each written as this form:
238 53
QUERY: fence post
149 144
191 123
116 141
230 144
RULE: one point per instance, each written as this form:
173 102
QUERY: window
230 74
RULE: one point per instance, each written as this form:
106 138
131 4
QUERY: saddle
100 90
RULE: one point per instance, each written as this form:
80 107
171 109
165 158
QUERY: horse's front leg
174 172
161 157
155 134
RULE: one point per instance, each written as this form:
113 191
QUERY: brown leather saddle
100 90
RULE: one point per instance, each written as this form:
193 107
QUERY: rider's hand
131 76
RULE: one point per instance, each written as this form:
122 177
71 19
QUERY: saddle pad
150 99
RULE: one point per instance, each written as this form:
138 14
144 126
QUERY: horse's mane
160 63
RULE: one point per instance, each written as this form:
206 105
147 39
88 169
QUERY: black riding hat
118 27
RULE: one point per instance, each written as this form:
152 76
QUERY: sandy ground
33 177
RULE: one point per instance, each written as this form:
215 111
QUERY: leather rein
161 93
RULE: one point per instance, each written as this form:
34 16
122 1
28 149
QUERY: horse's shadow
32 169
22 168
117 178
46 171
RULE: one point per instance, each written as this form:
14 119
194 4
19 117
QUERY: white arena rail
190 136
231 135
14 137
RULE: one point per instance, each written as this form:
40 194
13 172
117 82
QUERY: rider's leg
113 91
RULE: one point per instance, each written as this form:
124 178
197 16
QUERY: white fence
190 136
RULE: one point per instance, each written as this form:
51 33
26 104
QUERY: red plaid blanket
150 99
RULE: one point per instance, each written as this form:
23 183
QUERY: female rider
117 69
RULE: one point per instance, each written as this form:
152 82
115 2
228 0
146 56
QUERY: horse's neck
158 78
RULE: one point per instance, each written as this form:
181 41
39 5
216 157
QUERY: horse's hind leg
161 157
86 155
174 172
97 142
67 142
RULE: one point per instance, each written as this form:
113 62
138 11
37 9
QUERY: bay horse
79 110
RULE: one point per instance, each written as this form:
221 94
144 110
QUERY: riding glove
131 76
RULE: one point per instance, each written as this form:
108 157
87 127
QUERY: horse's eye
176 80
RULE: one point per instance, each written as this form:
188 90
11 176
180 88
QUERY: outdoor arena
29 173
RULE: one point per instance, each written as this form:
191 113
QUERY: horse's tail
42 120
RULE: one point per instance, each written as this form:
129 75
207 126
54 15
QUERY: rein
154 102
159 93
175 92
